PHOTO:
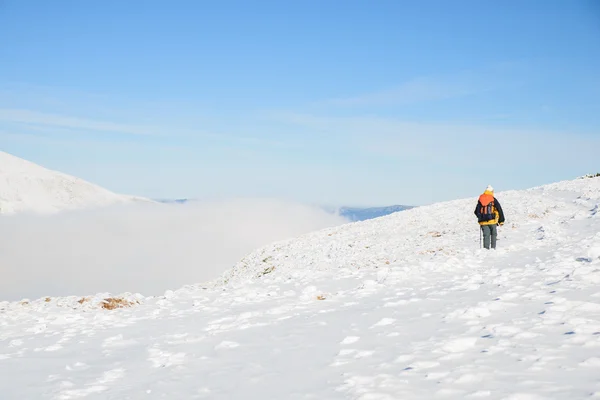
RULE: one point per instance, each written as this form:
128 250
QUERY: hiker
489 215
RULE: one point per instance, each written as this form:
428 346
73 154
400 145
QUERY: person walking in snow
489 215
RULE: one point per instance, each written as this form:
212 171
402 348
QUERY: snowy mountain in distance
362 214
406 306
28 187
174 201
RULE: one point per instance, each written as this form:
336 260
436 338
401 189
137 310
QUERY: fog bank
145 248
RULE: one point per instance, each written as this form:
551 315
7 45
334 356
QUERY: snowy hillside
402 307
25 186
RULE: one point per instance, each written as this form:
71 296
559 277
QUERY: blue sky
330 102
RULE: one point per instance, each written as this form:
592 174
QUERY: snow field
404 306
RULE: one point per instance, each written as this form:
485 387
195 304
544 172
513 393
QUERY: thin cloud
446 141
79 142
22 116
424 89
414 91
437 88
41 124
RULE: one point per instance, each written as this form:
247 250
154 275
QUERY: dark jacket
499 214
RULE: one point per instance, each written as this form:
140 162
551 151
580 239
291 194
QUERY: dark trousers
489 234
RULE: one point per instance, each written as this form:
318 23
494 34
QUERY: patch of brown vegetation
83 300
47 299
537 216
112 303
24 303
321 297
266 271
434 234
429 251
440 250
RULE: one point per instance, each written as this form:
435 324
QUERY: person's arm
500 212
478 210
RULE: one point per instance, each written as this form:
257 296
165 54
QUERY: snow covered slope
25 186
401 307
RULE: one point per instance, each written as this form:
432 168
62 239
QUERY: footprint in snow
339 363
404 358
161 359
350 340
459 345
450 393
117 341
97 386
226 345
37 329
593 362
78 366
364 354
506 330
395 303
248 315
424 364
55 347
111 376
524 396
480 394
203 392
470 378
384 322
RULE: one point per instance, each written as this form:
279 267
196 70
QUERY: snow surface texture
27 187
401 307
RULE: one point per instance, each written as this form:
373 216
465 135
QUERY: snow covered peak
28 187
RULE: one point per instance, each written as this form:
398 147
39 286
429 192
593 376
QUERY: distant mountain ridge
174 201
362 214
353 214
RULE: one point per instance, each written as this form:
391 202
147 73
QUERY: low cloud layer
146 249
